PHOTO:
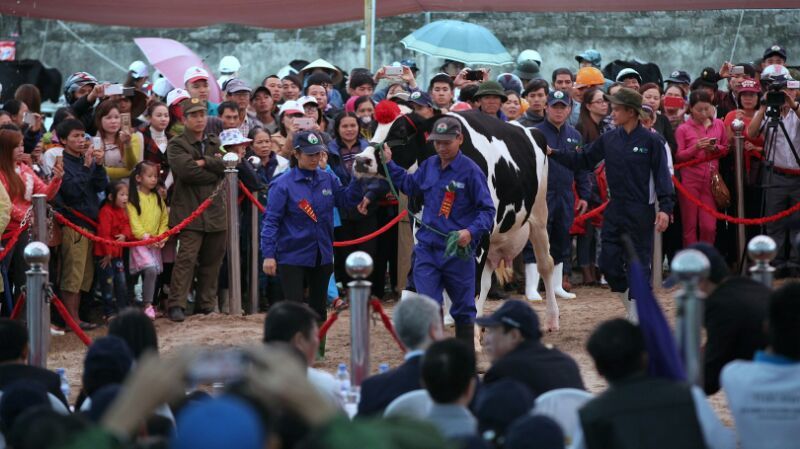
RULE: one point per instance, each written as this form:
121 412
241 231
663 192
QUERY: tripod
773 125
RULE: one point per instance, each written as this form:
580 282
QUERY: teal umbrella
459 41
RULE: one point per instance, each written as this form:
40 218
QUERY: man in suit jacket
13 360
418 323
513 344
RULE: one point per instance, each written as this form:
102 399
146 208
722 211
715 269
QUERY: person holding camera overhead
784 179
297 235
699 138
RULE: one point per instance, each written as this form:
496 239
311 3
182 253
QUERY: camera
223 365
474 75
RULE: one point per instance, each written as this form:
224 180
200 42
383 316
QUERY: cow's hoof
551 323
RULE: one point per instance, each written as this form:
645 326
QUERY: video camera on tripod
776 97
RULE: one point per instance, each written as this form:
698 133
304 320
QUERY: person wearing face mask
699 138
365 109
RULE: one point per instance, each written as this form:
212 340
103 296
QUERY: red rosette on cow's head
386 111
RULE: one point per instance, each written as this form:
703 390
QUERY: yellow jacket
152 220
133 154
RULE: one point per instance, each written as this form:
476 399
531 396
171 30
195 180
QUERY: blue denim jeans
113 286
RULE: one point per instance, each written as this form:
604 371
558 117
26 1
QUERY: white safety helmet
529 55
775 71
229 64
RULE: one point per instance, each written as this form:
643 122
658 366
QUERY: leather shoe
176 314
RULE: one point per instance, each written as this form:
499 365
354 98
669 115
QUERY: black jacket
530 119
642 412
540 368
735 313
79 189
12 372
378 391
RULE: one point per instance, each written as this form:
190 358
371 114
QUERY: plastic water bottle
344 382
62 374
384 367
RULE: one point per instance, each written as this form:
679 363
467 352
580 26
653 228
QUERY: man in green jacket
195 159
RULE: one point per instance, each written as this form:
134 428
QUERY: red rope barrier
691 163
80 216
62 310
18 306
13 241
371 236
251 197
592 213
736 220
387 323
199 211
323 330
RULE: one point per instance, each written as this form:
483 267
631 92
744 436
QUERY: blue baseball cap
309 142
558 96
499 403
515 314
591 56
421 98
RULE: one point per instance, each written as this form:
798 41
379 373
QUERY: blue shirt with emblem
560 177
289 234
472 208
630 160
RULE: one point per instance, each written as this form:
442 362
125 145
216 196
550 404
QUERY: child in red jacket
113 224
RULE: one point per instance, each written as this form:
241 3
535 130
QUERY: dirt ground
578 317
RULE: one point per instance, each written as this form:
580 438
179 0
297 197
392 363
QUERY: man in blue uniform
637 173
456 198
560 199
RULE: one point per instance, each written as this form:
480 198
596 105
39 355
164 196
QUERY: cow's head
399 128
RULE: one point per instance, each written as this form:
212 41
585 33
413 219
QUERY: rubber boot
466 333
558 277
532 282
630 307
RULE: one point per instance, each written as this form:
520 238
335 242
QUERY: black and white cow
514 160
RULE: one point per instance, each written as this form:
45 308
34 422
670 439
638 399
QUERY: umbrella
459 41
172 58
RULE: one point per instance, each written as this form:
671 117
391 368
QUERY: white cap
627 73
161 87
529 55
229 64
194 73
306 100
176 96
774 71
291 106
232 136
139 69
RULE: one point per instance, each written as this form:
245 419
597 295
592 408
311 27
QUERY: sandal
85 326
339 304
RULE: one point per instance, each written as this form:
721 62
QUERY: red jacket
112 221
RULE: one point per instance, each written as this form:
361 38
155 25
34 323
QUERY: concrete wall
689 40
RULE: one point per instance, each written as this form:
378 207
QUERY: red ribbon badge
306 207
447 201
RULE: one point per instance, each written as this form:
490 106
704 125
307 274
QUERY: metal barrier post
39 229
691 267
234 259
37 256
254 267
359 267
738 140
762 250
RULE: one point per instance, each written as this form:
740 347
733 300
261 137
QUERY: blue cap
537 431
309 142
500 402
219 423
421 98
410 63
590 56
516 314
558 96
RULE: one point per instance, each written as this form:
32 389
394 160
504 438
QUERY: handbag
719 190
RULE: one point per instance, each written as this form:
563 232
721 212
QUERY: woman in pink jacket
699 138
21 183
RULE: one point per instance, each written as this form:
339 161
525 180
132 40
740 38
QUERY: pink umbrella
172 58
